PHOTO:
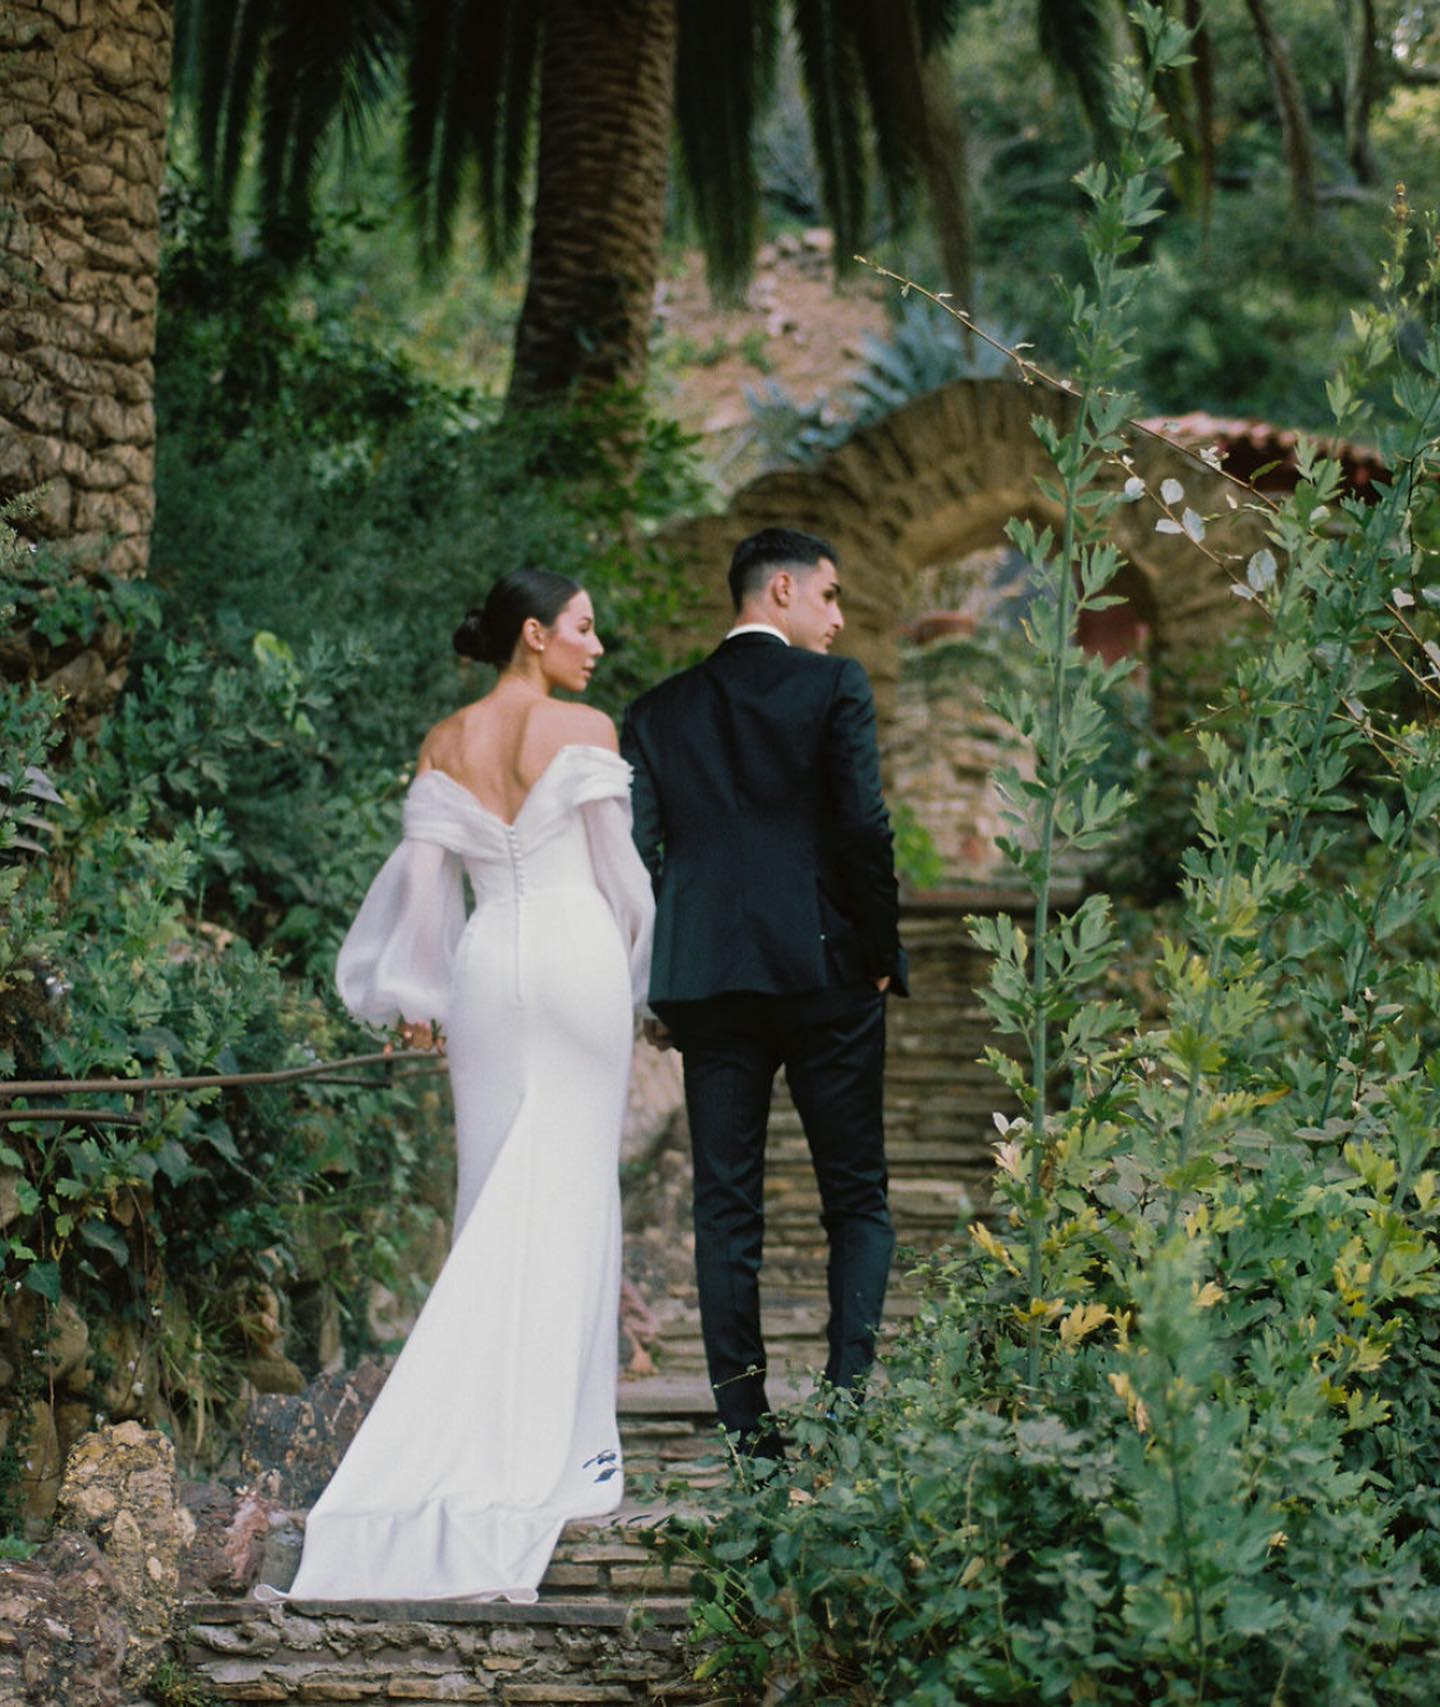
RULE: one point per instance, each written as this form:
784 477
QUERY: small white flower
1171 491
1210 456
1193 526
1134 488
1403 599
1166 525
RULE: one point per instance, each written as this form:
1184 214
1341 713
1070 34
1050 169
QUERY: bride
497 1424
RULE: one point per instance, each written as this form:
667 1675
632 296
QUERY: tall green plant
1039 988
1165 1433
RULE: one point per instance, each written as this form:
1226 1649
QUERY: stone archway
940 478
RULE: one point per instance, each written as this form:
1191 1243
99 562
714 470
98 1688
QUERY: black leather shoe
765 1443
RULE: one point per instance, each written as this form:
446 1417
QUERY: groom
759 814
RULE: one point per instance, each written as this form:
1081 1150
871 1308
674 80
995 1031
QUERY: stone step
609 1624
956 1174
922 1197
909 1158
787 1355
556 1652
940 1066
609 1558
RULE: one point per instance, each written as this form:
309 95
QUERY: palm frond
323 61
369 72
833 83
217 69
887 41
502 132
470 99
938 21
433 147
724 72
1076 39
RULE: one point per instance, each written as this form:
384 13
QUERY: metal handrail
320 1071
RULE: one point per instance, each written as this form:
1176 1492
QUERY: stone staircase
610 1625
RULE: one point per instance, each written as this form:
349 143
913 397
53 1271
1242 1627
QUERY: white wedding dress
497 1424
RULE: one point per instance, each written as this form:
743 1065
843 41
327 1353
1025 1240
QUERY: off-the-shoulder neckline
555 757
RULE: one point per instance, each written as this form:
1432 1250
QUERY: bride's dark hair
488 635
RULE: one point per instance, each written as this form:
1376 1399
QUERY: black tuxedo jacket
759 814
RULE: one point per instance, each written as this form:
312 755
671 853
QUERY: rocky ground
796 330
88 1618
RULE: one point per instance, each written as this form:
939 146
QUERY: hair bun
474 640
490 635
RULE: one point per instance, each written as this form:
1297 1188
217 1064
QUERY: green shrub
118 958
1165 1432
325 517
314 484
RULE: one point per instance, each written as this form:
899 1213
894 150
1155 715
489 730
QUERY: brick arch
938 478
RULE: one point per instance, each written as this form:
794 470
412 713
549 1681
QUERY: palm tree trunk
84 97
1290 103
607 79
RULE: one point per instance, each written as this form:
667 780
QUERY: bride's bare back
500 746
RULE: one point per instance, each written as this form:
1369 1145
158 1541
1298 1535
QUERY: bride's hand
656 1033
421 1034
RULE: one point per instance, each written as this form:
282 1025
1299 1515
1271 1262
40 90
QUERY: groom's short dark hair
757 557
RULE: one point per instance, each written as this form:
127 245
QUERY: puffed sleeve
396 960
601 784
625 884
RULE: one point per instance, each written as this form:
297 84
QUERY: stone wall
938 479
84 1621
942 747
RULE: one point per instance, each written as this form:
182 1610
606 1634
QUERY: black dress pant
831 1044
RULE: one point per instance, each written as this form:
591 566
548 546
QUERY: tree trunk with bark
607 80
1290 104
84 99
1362 77
1202 82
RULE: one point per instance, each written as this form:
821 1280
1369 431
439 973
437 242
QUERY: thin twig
1030 372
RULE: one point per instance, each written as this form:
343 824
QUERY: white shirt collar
756 628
